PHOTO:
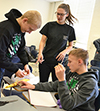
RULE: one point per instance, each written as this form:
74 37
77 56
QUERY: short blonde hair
34 17
80 53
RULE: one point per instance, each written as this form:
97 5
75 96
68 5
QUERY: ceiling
54 0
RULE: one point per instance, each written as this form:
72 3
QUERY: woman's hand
40 59
61 56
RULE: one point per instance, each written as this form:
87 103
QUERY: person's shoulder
90 74
6 25
52 22
69 26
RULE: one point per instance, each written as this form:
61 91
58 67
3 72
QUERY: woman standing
52 48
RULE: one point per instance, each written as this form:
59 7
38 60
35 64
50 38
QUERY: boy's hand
27 70
20 73
27 85
60 72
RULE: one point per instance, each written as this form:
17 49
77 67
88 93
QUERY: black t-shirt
57 37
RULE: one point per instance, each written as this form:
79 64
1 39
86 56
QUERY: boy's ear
25 19
80 61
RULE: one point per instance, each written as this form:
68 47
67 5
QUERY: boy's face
73 63
26 27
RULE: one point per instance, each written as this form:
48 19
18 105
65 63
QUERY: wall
83 11
23 5
94 30
53 9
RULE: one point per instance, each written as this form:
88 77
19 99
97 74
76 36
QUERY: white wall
23 5
94 30
83 11
53 9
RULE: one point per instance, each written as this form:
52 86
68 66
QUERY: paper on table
40 98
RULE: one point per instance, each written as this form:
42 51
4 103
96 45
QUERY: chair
96 65
31 53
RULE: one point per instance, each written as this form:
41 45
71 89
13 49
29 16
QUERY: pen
62 61
60 64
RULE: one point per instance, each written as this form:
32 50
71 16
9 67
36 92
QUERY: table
19 105
40 108
25 94
9 81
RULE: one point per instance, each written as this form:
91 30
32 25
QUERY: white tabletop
25 94
19 105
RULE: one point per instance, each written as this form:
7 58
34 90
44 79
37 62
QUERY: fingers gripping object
16 83
59 64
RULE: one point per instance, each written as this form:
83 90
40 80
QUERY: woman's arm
62 54
41 47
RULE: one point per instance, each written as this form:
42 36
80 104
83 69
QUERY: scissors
2 103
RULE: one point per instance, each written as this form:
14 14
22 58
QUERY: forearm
68 49
41 47
42 44
65 96
8 65
23 57
47 86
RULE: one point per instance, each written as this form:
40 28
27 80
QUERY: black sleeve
84 94
47 86
4 61
22 53
44 30
72 35
23 56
